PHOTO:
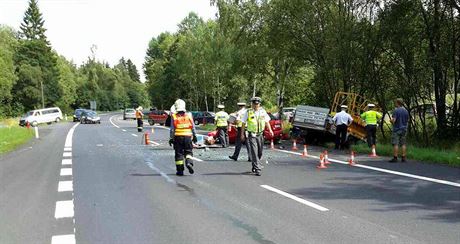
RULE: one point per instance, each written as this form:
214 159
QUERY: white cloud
118 27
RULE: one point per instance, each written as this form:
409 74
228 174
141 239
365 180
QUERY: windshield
30 113
129 110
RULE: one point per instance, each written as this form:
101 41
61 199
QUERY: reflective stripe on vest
255 124
371 117
221 119
182 125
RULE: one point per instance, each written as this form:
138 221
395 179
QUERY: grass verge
13 136
208 127
432 155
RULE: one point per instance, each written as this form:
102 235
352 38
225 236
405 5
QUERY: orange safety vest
183 125
138 114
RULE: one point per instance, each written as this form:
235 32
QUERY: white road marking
155 143
66 171
123 130
65 186
68 139
64 209
99 145
67 161
67 149
444 182
112 122
67 154
298 199
197 159
63 239
169 179
134 135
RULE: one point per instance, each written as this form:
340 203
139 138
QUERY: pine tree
132 70
32 27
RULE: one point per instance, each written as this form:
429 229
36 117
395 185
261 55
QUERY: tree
32 27
132 70
8 45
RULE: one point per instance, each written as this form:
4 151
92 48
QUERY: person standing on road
255 120
182 136
221 121
239 124
341 120
371 117
139 116
400 120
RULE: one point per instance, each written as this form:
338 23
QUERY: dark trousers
256 146
183 148
371 134
223 135
239 143
140 124
341 136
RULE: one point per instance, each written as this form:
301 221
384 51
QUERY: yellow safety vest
221 119
371 117
255 124
183 125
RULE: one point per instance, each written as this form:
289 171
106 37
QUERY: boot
180 170
189 165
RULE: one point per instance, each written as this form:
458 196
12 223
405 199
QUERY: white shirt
240 113
258 113
342 118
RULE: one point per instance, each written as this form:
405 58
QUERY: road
99 184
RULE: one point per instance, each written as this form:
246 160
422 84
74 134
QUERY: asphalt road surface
99 184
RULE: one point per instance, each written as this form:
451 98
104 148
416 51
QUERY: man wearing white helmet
341 120
182 134
139 116
221 121
371 117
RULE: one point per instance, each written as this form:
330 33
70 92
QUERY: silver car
129 113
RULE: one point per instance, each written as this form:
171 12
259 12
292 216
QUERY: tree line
303 52
33 75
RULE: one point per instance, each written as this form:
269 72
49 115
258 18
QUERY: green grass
432 155
208 127
13 136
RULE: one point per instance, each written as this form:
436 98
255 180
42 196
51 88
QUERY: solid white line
67 154
155 143
63 239
65 186
444 182
197 159
68 139
112 122
298 199
66 171
67 161
67 149
134 135
64 209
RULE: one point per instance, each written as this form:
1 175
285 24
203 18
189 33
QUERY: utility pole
43 96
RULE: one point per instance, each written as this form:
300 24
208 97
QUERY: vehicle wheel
124 118
162 124
58 119
151 123
196 122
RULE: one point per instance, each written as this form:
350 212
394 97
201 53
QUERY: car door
38 117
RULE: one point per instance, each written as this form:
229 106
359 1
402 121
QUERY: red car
275 123
157 117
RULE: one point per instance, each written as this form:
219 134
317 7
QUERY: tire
162 124
151 122
124 118
196 122
58 119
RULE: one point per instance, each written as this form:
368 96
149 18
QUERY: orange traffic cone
373 154
272 144
294 145
326 158
352 162
305 151
146 138
321 165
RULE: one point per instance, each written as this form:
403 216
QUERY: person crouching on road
342 120
139 116
221 121
182 134
371 117
239 124
255 120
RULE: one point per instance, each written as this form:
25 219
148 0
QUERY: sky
119 28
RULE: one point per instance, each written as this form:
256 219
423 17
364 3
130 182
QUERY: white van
39 116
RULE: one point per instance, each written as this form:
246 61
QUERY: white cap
371 105
140 108
220 106
344 106
241 104
180 105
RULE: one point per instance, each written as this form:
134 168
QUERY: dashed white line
134 135
66 171
65 186
444 182
64 209
298 199
67 161
67 149
63 239
123 130
155 143
67 154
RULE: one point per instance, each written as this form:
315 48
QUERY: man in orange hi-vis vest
139 116
182 135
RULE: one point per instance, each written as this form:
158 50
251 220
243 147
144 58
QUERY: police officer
255 120
341 120
239 124
182 134
139 115
221 121
371 117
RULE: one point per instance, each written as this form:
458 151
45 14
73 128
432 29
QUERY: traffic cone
373 154
305 151
294 145
352 162
326 158
146 138
272 144
321 165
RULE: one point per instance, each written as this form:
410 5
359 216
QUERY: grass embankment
433 155
12 135
208 127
